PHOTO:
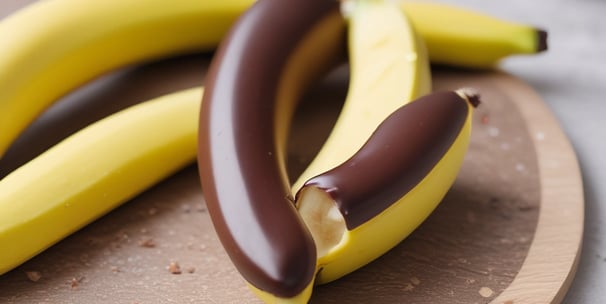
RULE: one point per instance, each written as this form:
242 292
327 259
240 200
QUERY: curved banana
93 171
461 37
61 44
370 203
275 50
388 68
52 47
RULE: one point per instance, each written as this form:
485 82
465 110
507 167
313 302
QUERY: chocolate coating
243 176
398 155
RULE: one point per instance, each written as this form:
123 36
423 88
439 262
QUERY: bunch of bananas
386 165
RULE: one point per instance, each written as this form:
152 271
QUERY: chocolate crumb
33 276
75 282
174 268
200 208
147 243
485 120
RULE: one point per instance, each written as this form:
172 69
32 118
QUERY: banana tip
541 40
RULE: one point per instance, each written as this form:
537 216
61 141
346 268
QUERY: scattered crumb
485 119
186 208
174 268
152 211
115 269
191 269
147 243
520 167
540 135
494 131
408 287
33 276
485 292
415 281
143 230
75 282
470 281
200 208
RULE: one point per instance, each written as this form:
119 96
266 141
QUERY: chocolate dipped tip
541 40
471 95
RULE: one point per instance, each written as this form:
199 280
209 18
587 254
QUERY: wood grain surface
509 230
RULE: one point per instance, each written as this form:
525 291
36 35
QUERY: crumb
115 269
143 230
174 268
186 208
408 287
415 280
540 136
470 281
508 302
191 269
147 243
152 211
493 131
520 167
75 282
33 276
485 292
200 208
484 120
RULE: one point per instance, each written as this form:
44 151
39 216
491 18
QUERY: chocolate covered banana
371 202
274 51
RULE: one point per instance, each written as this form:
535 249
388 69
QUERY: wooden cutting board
509 231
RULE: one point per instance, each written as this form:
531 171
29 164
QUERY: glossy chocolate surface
243 178
398 155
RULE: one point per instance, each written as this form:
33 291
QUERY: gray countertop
571 78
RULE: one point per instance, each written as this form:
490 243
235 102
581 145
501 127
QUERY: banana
275 51
465 38
61 44
388 68
367 205
52 47
93 171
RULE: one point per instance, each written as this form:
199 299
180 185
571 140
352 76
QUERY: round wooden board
509 231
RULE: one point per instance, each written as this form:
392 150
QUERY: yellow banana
461 37
388 67
53 46
93 171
